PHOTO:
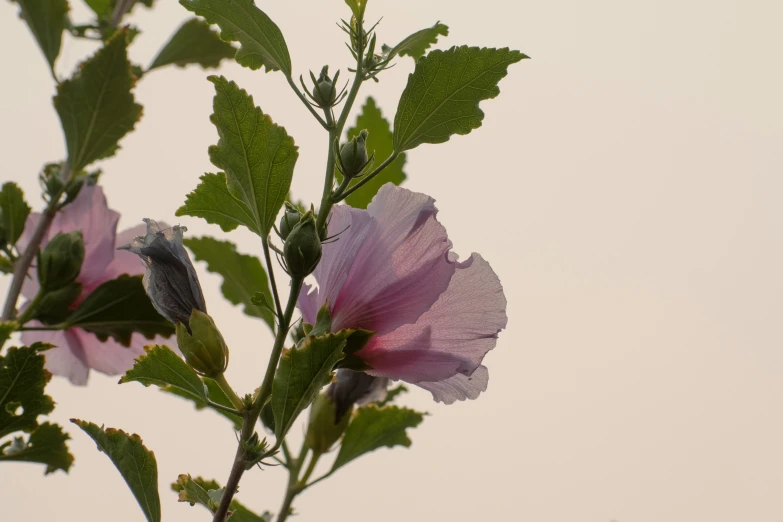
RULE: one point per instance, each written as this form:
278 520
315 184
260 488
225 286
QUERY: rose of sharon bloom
77 351
392 272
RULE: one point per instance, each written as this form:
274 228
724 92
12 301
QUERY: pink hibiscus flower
392 272
77 351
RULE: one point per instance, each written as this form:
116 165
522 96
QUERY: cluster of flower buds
353 161
363 43
174 289
324 93
302 244
55 181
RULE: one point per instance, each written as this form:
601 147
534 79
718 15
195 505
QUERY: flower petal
125 262
452 337
67 358
98 224
459 387
400 269
110 357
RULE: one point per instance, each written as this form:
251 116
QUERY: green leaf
303 370
135 463
212 201
257 155
96 106
261 41
372 428
194 42
162 367
105 8
117 309
443 94
22 382
215 394
208 493
46 445
13 213
417 44
392 394
6 329
243 275
194 493
379 141
46 20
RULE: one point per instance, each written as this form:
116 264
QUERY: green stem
250 417
293 484
22 264
31 308
334 133
273 284
310 468
339 195
222 383
325 124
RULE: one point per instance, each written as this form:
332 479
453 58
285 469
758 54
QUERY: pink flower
77 351
392 272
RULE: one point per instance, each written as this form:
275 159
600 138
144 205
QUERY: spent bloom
392 272
77 351
170 279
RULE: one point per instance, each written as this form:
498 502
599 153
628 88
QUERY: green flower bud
353 155
324 92
289 221
202 345
322 430
61 261
302 249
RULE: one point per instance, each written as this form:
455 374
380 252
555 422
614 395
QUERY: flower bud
170 281
324 92
324 427
289 221
61 261
353 155
203 345
352 387
302 249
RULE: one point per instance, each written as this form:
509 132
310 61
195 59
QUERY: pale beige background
627 188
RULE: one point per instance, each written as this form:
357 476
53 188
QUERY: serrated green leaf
194 42
46 445
379 142
117 309
302 372
13 213
392 394
417 44
443 94
243 275
216 395
261 41
373 427
162 367
208 493
96 105
105 8
194 493
212 201
22 382
257 155
135 463
46 20
6 329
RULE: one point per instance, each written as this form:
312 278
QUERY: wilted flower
77 351
391 271
170 279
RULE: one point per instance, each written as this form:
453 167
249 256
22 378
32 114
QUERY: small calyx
353 161
202 345
324 93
